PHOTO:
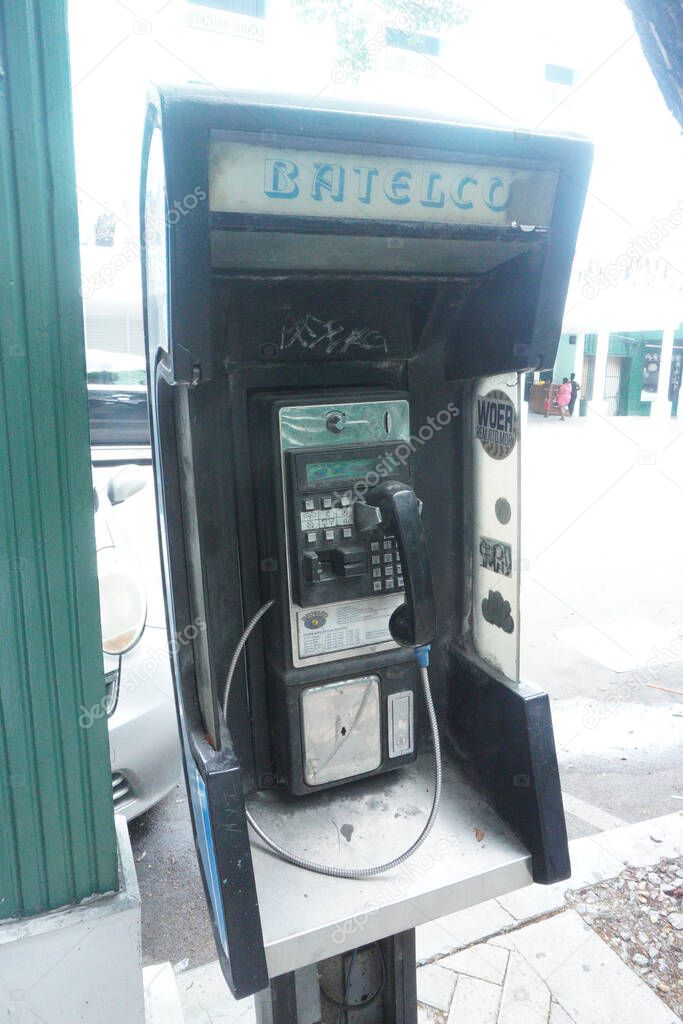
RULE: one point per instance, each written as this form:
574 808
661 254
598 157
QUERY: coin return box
400 708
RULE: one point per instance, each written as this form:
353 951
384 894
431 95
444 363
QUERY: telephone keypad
327 523
391 569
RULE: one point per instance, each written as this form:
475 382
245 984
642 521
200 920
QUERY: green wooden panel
622 347
590 344
57 842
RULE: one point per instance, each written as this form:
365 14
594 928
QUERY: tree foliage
360 25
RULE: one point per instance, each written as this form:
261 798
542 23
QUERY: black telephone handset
413 624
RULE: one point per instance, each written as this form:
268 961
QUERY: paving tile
428 1015
435 986
590 863
457 930
585 976
526 998
206 998
162 1002
535 900
482 961
634 844
475 1002
559 1016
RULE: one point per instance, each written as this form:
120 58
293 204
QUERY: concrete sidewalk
522 959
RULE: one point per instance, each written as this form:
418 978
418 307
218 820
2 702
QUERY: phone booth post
338 308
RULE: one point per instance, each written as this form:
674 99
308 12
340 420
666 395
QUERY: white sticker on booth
267 179
496 522
341 627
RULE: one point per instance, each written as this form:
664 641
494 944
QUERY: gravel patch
640 915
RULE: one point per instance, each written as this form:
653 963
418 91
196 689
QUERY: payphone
338 308
335 507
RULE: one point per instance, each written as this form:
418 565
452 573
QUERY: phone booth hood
324 288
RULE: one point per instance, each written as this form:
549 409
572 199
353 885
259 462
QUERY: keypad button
399 580
375 559
374 545
329 534
376 573
346 499
387 545
347 532
389 584
388 570
309 504
389 558
377 585
311 537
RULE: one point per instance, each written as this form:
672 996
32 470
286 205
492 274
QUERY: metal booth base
334 927
377 983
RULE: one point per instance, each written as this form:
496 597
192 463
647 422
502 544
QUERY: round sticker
503 511
496 424
314 620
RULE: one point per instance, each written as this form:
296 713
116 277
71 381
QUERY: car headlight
123 605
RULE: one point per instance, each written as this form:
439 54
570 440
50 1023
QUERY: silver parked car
139 700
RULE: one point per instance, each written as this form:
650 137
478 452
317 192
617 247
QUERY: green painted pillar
57 842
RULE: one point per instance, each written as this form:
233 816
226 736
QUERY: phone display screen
342 469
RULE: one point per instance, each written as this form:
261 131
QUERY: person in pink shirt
564 395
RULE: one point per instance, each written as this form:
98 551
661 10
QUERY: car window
117 377
117 398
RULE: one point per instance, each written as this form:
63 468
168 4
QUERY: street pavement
602 573
601 569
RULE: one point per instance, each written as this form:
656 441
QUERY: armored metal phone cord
422 655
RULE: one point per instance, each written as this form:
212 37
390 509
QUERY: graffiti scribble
330 336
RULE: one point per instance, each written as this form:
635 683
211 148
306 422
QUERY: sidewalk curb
594 859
